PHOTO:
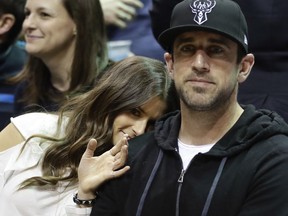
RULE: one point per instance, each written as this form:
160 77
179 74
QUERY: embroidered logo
245 40
201 8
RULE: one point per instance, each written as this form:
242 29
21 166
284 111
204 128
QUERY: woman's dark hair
128 84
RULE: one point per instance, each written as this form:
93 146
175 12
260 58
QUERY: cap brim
166 38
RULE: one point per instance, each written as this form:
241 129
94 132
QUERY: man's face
204 69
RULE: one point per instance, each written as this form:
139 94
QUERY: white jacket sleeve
74 210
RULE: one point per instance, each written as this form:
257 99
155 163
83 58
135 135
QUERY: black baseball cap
219 16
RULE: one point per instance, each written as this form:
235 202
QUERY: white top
13 170
188 152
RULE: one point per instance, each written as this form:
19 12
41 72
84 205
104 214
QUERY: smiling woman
67 51
51 156
49 30
138 120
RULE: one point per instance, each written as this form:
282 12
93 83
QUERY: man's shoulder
137 144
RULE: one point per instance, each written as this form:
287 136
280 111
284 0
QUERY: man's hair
16 8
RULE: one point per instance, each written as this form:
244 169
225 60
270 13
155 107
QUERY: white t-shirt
13 170
187 152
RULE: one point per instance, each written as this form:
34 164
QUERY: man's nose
200 61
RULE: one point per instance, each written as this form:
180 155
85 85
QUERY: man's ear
6 23
170 64
245 67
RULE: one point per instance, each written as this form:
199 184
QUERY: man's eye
187 48
216 50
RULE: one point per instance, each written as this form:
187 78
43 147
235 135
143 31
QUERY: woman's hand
93 171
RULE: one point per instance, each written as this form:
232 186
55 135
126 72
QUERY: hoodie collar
252 126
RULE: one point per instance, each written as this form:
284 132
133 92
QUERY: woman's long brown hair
128 84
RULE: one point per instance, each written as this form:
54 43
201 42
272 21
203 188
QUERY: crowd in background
60 72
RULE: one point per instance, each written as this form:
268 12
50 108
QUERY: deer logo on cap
201 8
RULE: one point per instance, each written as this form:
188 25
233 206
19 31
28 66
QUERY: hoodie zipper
180 181
181 177
212 189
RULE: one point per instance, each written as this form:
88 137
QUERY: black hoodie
245 173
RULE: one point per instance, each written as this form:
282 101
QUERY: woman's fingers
120 172
93 171
91 147
121 158
117 148
120 153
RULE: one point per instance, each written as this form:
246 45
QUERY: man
12 55
214 157
267 85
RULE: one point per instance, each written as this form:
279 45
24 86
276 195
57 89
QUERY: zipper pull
181 177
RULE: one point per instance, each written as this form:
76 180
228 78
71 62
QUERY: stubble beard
207 102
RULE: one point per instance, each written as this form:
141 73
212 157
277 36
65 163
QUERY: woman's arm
10 137
94 171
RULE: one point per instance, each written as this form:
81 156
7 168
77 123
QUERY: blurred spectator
128 24
12 56
67 44
268 31
119 12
